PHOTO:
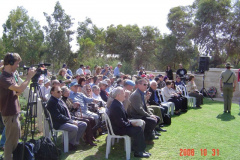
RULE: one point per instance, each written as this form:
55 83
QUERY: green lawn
198 129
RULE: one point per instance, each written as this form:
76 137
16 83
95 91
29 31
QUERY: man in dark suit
138 110
61 118
122 126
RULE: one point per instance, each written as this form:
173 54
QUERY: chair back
184 90
160 95
108 124
164 100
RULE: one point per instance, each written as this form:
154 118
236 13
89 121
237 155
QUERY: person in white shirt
80 70
96 94
45 90
87 70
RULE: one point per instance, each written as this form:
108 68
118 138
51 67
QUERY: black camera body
40 70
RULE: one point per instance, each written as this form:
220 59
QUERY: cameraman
9 103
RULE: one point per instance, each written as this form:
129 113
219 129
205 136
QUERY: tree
211 26
58 35
91 40
23 35
145 52
122 41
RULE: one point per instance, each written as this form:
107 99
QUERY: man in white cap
117 70
228 85
45 90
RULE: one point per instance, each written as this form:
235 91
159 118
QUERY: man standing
228 85
116 72
139 110
182 73
122 126
9 103
80 70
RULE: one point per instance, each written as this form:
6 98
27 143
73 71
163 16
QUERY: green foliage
58 36
23 35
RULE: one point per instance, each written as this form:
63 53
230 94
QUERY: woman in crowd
62 76
87 90
98 71
178 91
82 81
193 91
73 107
170 96
169 73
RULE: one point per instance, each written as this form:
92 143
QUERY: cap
228 64
130 82
106 65
151 75
119 63
143 75
64 65
73 84
160 75
46 81
103 82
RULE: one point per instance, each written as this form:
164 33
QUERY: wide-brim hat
119 63
228 64
103 82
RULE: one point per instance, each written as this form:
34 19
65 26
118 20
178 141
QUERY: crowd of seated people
73 100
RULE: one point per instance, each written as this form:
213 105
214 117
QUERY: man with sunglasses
139 110
61 118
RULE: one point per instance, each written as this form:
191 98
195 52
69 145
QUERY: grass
198 129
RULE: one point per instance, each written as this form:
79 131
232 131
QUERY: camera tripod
31 114
203 90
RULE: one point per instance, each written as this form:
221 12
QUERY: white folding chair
191 100
64 134
111 137
165 103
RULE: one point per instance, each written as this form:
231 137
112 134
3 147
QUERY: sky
103 13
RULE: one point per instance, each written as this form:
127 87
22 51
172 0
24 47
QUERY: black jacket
151 100
58 111
118 118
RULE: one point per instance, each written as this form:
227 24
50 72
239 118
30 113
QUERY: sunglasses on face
59 91
145 84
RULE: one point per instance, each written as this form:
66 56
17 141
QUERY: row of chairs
170 105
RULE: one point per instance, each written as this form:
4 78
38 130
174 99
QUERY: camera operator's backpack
46 150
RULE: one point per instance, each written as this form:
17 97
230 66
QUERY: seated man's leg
157 111
81 129
149 127
136 133
91 114
72 131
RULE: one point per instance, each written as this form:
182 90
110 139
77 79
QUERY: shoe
199 107
141 155
72 147
147 153
92 144
184 110
157 134
161 125
163 130
177 113
224 111
155 137
158 129
149 142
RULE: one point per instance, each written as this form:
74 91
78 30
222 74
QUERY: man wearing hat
106 72
228 85
117 70
45 90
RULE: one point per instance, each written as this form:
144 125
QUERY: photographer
9 103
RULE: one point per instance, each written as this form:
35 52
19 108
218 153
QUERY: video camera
40 70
